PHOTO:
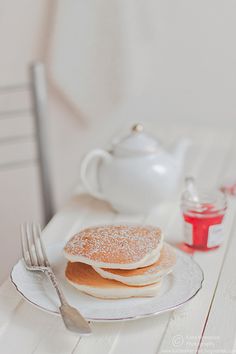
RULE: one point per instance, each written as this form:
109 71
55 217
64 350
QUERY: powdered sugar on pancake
115 246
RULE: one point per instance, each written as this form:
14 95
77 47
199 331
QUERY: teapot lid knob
136 142
137 128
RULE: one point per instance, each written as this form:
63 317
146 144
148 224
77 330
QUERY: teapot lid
137 142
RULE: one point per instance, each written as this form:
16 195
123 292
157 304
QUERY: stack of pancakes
118 261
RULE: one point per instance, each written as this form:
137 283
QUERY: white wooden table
206 324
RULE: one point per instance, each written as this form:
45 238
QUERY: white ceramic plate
177 288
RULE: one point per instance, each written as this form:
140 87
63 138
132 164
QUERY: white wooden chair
15 130
25 188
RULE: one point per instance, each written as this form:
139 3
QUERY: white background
112 63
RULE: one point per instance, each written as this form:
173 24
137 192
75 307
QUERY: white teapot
136 175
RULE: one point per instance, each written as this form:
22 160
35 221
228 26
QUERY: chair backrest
23 118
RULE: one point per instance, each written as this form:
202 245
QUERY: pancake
146 275
115 246
86 279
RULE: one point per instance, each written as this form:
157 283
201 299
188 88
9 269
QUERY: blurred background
109 64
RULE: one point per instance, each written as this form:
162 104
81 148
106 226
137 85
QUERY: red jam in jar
203 219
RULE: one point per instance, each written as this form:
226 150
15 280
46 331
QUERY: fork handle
54 281
72 318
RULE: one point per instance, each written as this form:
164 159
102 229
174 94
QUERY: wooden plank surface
37 332
220 327
186 324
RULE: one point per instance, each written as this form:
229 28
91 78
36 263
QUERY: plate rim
130 318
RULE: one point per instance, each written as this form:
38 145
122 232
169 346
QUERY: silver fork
35 259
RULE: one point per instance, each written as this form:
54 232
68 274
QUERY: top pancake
116 246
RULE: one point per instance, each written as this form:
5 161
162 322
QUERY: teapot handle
86 162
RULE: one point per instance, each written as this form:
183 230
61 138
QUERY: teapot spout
180 150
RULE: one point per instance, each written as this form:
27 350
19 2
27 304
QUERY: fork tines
32 247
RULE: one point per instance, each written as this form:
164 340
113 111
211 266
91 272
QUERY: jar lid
136 141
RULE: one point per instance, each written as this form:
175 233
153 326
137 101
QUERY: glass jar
203 219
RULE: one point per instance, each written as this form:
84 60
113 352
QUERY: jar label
188 233
215 235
